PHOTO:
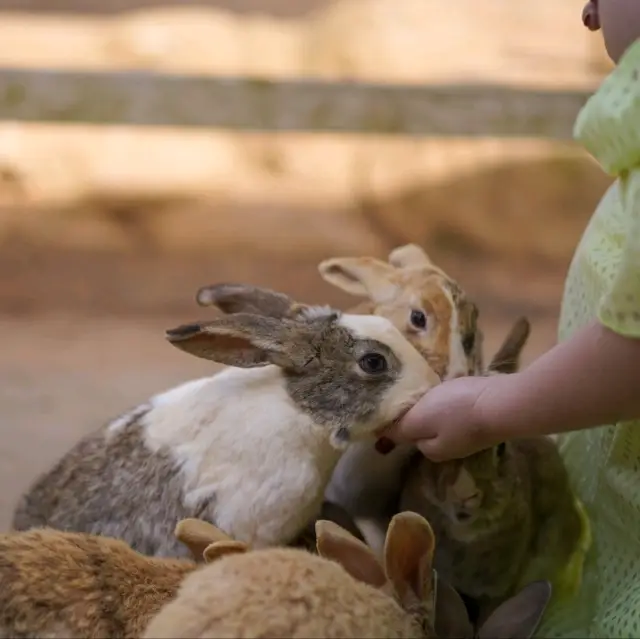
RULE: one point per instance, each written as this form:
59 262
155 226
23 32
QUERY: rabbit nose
473 501
465 510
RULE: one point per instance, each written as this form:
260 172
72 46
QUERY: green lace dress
604 282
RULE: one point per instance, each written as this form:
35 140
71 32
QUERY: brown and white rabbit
60 584
250 448
345 592
503 516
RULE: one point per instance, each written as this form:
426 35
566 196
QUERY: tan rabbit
345 592
62 584
425 303
504 516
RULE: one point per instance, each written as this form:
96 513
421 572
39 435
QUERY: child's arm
589 380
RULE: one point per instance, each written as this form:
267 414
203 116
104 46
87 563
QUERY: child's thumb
411 426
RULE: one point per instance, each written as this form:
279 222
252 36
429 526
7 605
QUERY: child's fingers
413 426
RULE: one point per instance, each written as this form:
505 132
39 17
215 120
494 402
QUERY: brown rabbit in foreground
61 584
345 592
503 517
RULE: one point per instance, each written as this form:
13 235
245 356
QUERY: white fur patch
375 327
242 443
317 312
176 393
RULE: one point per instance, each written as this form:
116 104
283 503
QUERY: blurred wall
233 201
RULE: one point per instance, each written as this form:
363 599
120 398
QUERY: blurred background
106 232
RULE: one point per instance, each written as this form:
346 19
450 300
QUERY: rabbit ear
452 619
408 557
362 276
518 617
242 298
221 548
197 534
335 543
338 515
409 255
247 340
507 359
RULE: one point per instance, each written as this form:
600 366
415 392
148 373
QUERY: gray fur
334 395
112 484
243 298
486 567
507 359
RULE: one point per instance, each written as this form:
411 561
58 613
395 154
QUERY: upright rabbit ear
242 298
197 534
518 617
507 359
408 556
362 276
409 255
335 543
452 619
222 548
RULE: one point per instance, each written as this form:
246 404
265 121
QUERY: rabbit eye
468 342
418 319
373 364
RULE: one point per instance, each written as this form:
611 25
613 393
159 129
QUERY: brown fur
279 593
62 584
73 585
496 512
410 281
345 592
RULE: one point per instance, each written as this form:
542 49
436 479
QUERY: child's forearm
587 381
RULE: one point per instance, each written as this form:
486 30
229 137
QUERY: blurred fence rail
256 104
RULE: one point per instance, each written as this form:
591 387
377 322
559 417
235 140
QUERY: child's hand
449 421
